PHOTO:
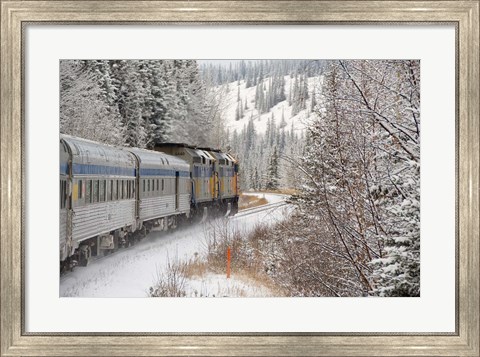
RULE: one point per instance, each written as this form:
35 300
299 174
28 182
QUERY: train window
144 185
61 194
101 188
163 185
110 191
133 189
80 189
65 195
148 185
88 192
122 191
114 190
158 185
95 190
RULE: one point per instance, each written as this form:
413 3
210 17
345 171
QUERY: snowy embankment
131 272
270 197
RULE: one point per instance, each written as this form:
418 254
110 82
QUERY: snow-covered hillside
237 89
266 123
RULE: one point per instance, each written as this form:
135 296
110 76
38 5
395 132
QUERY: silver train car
99 197
110 196
65 251
164 191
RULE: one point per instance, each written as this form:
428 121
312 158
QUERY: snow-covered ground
217 285
131 272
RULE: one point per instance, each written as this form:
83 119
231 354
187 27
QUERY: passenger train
112 196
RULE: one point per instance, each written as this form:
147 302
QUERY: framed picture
43 42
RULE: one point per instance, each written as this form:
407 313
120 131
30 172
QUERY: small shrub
171 282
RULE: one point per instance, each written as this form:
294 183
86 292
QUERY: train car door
177 188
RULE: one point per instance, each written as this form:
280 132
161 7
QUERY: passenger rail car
99 196
164 183
111 196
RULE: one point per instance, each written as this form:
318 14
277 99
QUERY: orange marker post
229 259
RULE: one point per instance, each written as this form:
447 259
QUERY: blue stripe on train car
64 169
163 172
84 169
202 171
156 172
226 172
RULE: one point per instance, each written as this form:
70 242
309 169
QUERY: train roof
223 156
200 151
183 145
89 152
154 159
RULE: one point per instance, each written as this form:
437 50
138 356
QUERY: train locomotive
111 196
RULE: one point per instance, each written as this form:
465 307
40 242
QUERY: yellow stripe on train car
212 187
235 183
197 187
75 191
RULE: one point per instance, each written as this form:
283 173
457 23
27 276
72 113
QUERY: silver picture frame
16 15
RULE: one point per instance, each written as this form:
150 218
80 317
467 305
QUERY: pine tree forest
341 137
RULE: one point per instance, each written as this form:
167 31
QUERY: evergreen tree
84 106
283 123
313 102
237 113
272 171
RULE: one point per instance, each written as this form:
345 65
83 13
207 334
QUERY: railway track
258 209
